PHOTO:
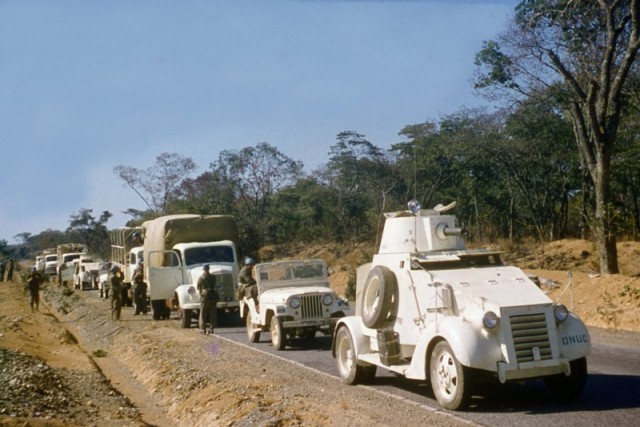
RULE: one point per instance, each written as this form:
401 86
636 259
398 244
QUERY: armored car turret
427 308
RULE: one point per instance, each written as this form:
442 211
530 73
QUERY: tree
92 231
157 184
590 48
252 176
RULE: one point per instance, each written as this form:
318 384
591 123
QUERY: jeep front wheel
252 334
447 377
278 335
350 371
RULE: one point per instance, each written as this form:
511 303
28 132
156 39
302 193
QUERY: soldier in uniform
116 292
139 289
33 283
10 271
247 282
2 263
208 301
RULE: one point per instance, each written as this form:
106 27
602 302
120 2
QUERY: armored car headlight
294 302
490 320
327 299
560 312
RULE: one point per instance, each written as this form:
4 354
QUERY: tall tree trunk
603 227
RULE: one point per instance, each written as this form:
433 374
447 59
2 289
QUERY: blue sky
86 85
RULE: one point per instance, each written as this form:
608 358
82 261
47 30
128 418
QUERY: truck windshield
70 258
208 254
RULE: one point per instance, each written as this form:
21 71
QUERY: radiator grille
530 337
225 287
311 306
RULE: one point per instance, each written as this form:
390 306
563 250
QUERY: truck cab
86 272
427 308
50 264
183 265
68 266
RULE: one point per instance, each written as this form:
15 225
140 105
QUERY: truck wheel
278 334
185 318
252 334
350 371
447 377
564 387
378 296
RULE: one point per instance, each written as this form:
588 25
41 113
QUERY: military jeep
291 299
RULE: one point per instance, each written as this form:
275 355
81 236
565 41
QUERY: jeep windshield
291 273
208 255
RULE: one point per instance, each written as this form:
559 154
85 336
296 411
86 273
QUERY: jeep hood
280 295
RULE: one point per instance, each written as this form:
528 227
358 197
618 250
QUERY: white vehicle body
51 264
103 279
67 253
293 300
176 247
428 309
86 271
39 264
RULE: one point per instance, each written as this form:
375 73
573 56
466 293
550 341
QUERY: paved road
611 397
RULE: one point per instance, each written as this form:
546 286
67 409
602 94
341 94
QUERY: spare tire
378 297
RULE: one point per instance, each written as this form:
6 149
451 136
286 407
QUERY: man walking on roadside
116 292
139 290
2 270
33 284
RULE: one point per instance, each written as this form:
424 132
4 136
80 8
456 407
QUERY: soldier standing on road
247 282
33 283
116 292
139 289
208 301
2 270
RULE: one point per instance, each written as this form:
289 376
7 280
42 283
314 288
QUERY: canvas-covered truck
427 308
68 253
293 299
176 248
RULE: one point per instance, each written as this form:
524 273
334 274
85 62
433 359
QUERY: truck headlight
327 299
560 312
294 302
490 320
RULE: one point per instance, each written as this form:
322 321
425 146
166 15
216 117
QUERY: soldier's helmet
115 269
249 261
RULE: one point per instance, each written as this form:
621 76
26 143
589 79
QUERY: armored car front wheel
569 387
448 378
350 371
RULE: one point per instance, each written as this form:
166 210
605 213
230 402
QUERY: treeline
515 176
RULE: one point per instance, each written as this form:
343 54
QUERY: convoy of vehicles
176 247
429 309
293 299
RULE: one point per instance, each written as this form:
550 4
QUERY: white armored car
429 309
293 300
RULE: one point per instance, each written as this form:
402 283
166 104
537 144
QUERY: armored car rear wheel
448 378
185 318
350 371
378 296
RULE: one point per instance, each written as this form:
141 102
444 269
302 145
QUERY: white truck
429 309
293 300
51 264
176 247
68 253
86 274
